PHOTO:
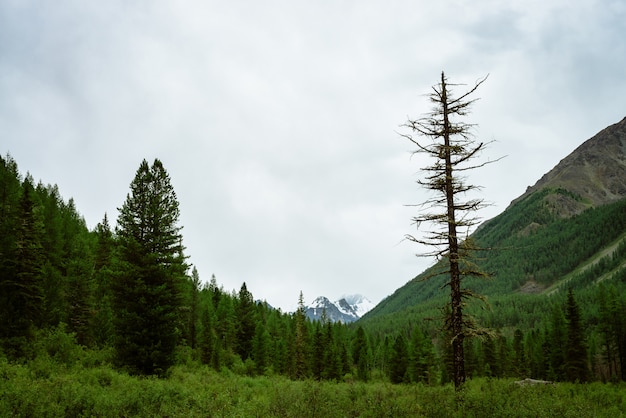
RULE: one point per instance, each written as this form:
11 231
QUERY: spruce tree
261 348
576 362
102 321
421 357
194 307
151 273
10 192
361 354
22 285
300 368
207 340
556 339
246 322
399 361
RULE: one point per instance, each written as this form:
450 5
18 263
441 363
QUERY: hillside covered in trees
566 233
125 293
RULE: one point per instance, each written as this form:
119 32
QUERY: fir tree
148 284
102 321
576 362
260 348
246 322
556 340
209 353
361 354
194 307
421 357
22 287
300 367
10 191
399 360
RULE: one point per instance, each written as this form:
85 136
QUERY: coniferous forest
114 321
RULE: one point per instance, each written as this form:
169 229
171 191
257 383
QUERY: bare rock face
595 171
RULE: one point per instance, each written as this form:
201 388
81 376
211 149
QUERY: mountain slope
572 215
595 171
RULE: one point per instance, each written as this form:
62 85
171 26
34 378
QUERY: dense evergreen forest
126 294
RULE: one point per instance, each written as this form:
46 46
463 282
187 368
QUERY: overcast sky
278 121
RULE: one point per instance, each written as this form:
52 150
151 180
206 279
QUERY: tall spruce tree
399 361
246 322
102 321
149 282
23 295
10 191
300 368
450 144
576 361
361 354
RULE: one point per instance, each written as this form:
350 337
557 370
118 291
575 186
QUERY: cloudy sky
278 121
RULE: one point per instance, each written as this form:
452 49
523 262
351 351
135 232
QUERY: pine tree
490 358
194 307
451 147
399 361
246 322
519 365
149 280
22 287
421 357
361 354
54 245
300 366
209 353
102 321
10 192
260 348
332 363
556 340
576 361
225 325
319 348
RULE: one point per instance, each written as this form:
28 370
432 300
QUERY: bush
59 345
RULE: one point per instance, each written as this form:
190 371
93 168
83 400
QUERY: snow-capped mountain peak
347 309
360 303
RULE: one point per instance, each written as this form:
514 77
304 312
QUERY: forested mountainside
568 231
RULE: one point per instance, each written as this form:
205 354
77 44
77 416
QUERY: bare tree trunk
451 149
456 323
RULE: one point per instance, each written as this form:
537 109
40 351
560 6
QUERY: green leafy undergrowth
198 391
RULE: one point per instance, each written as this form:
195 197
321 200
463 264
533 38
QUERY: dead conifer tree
446 139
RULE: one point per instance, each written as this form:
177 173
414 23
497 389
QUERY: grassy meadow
89 387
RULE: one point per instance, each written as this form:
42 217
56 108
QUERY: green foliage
149 280
198 392
576 360
399 361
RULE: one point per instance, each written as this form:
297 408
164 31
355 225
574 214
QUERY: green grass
45 388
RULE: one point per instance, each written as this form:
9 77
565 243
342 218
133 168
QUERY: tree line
129 289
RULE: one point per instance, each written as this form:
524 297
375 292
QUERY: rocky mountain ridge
595 172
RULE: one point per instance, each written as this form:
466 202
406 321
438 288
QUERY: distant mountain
570 223
347 309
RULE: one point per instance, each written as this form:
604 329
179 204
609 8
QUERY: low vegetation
47 387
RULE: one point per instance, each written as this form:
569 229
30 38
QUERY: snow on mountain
360 303
347 309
